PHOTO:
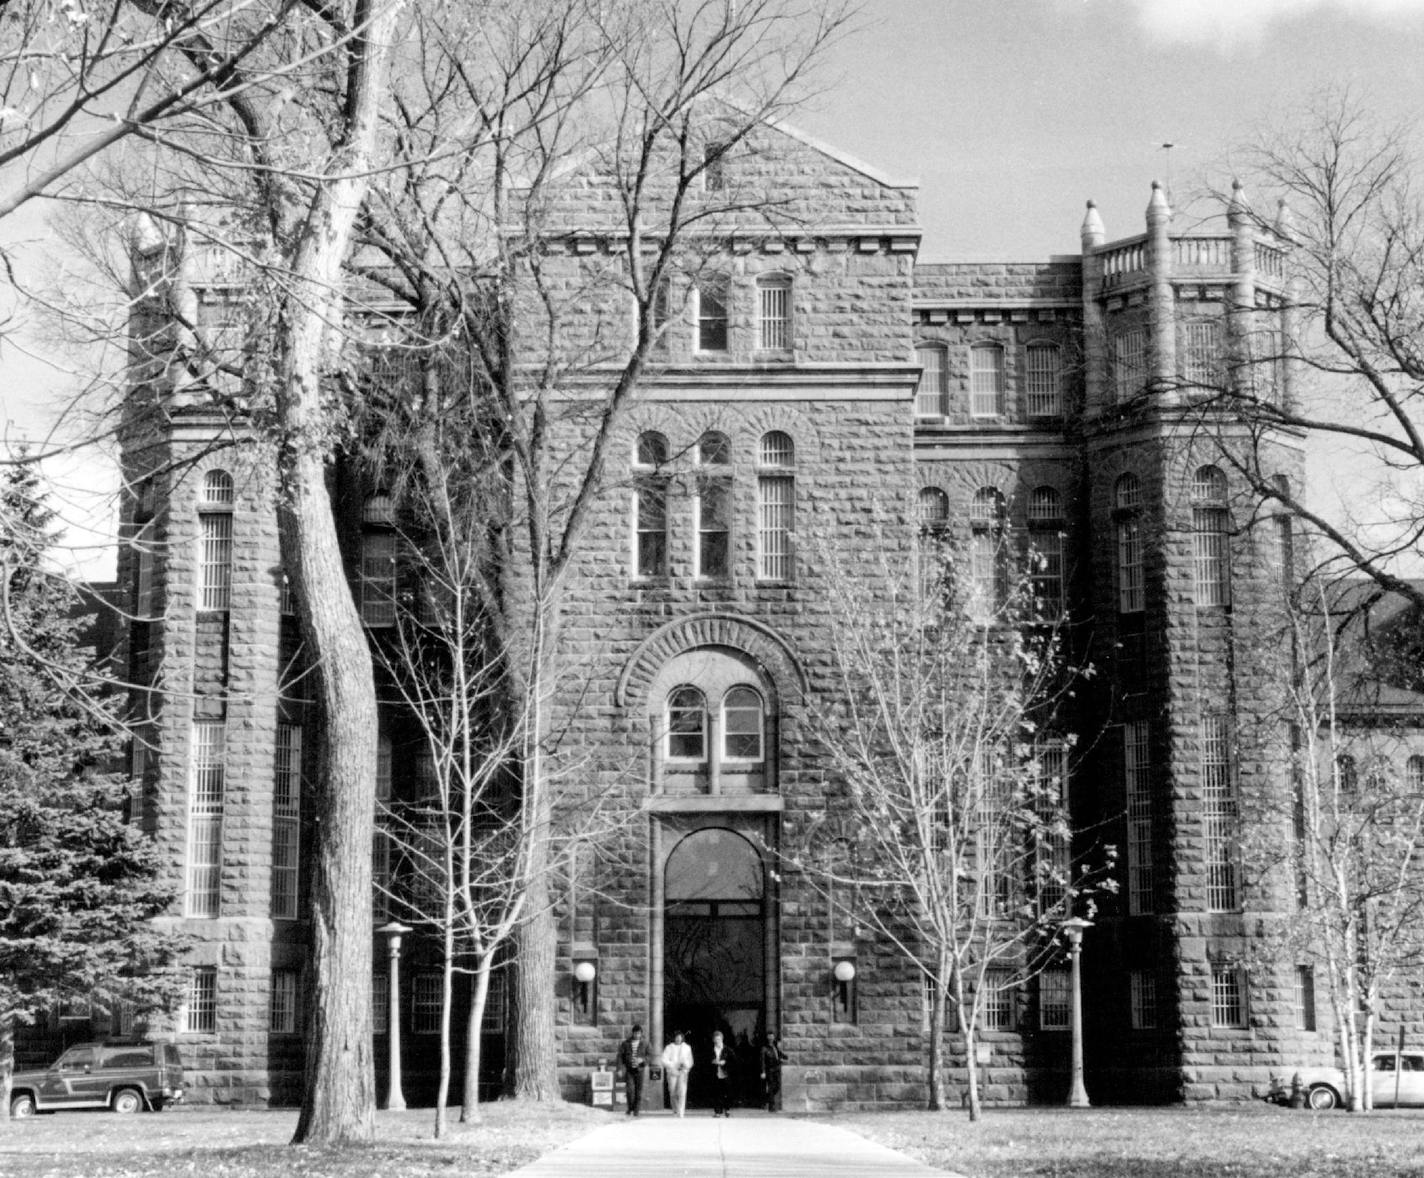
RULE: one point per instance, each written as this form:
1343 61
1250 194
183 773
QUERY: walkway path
748 1145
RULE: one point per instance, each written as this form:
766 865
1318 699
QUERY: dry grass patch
220 1143
1250 1141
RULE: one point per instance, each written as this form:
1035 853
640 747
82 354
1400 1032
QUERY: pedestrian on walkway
633 1058
677 1063
772 1057
723 1069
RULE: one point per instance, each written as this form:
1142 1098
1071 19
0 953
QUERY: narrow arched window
932 508
1210 544
687 725
933 391
1131 583
774 313
1045 523
713 507
378 561
776 505
986 380
987 566
1043 379
742 725
650 547
215 539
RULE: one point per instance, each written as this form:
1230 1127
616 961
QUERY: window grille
986 380
712 314
989 574
205 818
687 725
742 725
380 874
1129 364
1043 383
776 495
1142 1000
1414 774
215 562
1210 543
1055 999
774 320
1219 814
1201 352
776 450
378 578
1136 767
286 821
282 1015
201 1007
217 489
380 510
1228 997
998 1004
1304 998
1045 518
1131 582
932 507
933 390
425 1004
381 1003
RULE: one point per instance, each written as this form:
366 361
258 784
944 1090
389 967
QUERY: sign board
983 1053
602 1081
603 1098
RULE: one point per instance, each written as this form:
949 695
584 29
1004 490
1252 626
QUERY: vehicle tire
126 1100
22 1105
1322 1097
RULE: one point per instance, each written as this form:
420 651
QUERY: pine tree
79 884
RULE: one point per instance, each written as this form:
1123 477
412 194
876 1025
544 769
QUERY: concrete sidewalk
746 1145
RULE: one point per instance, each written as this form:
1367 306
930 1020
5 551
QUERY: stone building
823 372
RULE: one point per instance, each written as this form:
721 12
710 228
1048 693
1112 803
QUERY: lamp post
395 1098
1073 930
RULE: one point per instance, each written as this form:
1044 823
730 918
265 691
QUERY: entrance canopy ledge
714 803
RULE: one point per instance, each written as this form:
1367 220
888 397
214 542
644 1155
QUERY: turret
1161 303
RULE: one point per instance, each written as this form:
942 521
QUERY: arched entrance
715 952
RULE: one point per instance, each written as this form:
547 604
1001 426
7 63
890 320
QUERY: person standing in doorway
772 1057
633 1058
723 1065
677 1063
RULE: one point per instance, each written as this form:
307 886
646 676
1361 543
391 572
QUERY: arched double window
687 725
650 547
215 538
741 725
714 506
776 506
1045 523
1131 584
1211 550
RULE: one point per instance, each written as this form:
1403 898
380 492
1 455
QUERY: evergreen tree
79 885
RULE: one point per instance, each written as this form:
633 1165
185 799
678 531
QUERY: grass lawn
221 1143
1252 1141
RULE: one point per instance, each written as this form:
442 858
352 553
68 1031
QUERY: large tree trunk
339 1102
535 1072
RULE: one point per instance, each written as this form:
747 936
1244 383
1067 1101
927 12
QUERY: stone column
1161 300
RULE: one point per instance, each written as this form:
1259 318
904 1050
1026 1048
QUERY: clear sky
1012 113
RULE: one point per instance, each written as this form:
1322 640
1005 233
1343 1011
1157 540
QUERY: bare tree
948 743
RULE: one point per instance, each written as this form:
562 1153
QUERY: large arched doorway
714 951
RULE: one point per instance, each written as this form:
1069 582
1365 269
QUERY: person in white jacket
677 1062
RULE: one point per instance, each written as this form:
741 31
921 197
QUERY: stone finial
1239 203
1093 233
144 234
1285 220
1158 210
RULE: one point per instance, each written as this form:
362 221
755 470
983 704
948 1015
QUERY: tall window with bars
713 507
381 838
998 1005
1211 551
425 1003
381 1003
1045 524
200 1006
282 1008
1129 364
1200 353
286 822
1055 999
378 562
1414 775
650 547
1043 380
1304 998
993 852
986 380
1136 769
1053 853
1142 1000
1228 996
989 574
1131 582
215 561
774 313
712 313
776 506
932 393
205 817
1219 814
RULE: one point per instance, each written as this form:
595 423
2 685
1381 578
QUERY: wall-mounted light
586 984
843 972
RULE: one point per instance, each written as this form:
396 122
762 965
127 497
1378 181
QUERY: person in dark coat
633 1059
723 1063
772 1057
